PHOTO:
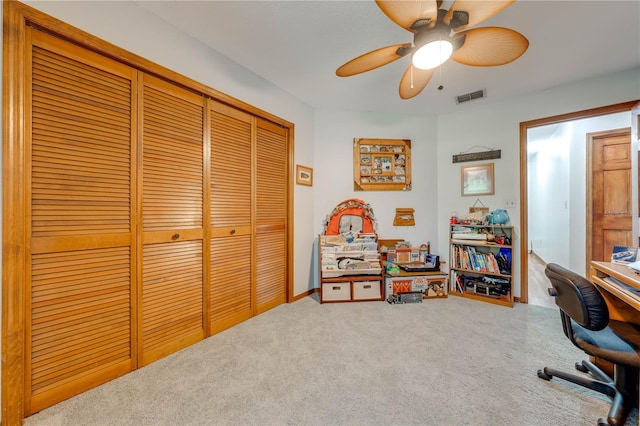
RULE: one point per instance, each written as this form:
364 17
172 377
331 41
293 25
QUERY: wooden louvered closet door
81 191
173 252
231 216
271 215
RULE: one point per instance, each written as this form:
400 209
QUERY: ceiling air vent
478 94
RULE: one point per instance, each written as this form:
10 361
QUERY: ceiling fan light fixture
432 54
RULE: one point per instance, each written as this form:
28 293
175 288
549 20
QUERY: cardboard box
436 287
431 286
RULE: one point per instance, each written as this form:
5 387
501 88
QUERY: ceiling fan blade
490 46
373 59
405 13
413 81
477 11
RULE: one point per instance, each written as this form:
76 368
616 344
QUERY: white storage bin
336 291
366 290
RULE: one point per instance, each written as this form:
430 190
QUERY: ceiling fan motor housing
427 31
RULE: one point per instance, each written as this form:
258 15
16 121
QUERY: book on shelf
494 263
481 262
473 258
468 236
474 242
456 283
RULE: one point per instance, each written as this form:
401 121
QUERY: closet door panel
271 215
271 262
231 176
80 321
81 191
172 300
172 149
231 216
173 253
230 281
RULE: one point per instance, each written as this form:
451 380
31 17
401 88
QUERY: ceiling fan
438 35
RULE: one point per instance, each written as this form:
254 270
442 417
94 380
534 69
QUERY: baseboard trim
538 258
305 294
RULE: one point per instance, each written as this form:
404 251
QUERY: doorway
562 238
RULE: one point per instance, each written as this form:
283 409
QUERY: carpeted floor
447 361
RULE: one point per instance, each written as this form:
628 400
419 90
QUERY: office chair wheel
543 375
581 367
603 422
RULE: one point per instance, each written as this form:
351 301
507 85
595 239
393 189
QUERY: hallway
539 283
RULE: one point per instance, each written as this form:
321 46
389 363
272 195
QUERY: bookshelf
350 271
481 266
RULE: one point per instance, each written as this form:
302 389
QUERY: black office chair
585 321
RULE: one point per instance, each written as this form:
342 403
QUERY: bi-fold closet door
249 162
80 170
157 217
271 215
171 190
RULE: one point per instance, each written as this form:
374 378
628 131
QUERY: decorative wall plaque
381 164
404 217
475 156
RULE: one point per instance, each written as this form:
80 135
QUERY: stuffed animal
498 217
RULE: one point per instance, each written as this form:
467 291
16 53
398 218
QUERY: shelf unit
481 265
362 281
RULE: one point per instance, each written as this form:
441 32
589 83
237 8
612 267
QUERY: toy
498 217
408 297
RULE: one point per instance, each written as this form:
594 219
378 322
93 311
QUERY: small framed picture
477 180
304 175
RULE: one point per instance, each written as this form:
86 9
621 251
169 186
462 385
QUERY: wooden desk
620 288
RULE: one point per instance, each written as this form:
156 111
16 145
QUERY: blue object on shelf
498 217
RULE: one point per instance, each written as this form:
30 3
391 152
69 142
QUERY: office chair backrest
578 298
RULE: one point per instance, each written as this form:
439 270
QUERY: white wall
333 180
549 193
130 27
496 125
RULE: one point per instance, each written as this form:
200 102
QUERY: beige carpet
442 362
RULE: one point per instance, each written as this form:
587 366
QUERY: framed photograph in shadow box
381 164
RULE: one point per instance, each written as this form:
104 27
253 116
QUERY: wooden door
80 168
172 253
611 201
232 253
271 215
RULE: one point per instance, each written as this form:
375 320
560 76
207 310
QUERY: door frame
524 176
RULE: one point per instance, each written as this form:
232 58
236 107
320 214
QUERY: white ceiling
297 45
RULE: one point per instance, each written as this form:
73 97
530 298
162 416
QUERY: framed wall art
477 180
304 175
381 164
